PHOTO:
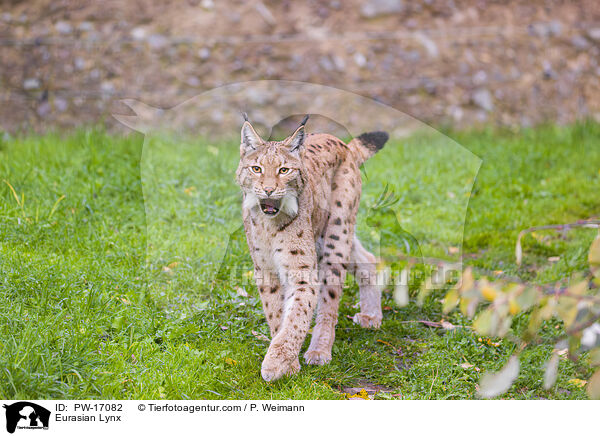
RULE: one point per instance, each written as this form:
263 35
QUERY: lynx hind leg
364 267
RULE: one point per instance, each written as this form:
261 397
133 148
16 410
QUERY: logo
26 415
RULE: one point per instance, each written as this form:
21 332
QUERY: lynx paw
277 364
317 357
368 321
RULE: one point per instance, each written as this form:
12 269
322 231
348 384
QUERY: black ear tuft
245 115
304 120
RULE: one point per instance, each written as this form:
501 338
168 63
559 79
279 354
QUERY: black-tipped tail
368 144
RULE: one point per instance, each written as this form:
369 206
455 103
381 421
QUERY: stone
579 42
63 27
86 26
139 33
157 41
594 33
31 83
60 104
204 53
428 43
483 98
377 8
360 59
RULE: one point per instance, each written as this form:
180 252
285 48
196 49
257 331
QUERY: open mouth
269 206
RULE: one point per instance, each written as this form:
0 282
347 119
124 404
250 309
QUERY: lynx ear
250 139
296 141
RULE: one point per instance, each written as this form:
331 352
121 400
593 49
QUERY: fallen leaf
230 361
173 265
553 258
386 343
224 327
260 336
360 395
578 382
447 325
241 291
453 250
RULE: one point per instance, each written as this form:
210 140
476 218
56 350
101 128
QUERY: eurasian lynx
300 199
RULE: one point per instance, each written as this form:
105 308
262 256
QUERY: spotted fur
301 196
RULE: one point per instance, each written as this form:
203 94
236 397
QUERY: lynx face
270 173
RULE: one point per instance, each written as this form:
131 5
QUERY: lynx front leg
298 308
336 256
271 295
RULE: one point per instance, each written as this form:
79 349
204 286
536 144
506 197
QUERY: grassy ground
105 296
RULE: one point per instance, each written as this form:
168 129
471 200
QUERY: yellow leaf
361 395
230 361
450 300
578 382
173 265
513 306
488 293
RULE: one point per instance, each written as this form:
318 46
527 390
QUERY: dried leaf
241 291
551 371
496 383
260 336
446 325
593 386
519 250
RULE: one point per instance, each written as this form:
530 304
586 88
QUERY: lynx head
270 173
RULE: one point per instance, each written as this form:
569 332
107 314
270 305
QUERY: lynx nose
269 191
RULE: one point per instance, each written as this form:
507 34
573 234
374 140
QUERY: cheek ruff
289 205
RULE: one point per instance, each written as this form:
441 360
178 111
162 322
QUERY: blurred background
460 63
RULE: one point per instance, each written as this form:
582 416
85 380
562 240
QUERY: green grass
107 296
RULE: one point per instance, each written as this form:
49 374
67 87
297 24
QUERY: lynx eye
284 170
256 169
